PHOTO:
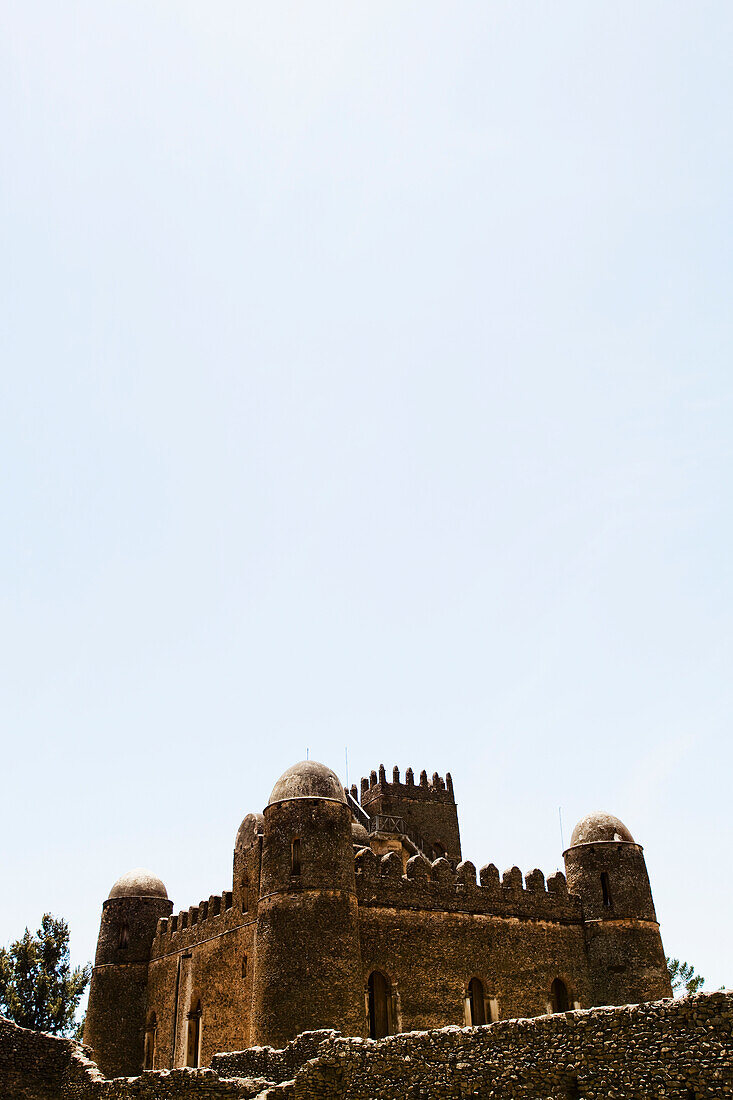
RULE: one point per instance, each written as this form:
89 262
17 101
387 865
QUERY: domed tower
606 868
247 862
115 1020
307 959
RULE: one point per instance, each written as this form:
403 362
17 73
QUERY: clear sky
367 383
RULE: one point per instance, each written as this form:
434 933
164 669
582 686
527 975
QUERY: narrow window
476 1001
193 1044
124 940
295 858
244 966
149 1058
559 994
245 894
378 1005
605 886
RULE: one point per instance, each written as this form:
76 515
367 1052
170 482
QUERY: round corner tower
307 959
605 867
115 1020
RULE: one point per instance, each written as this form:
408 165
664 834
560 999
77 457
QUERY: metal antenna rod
562 839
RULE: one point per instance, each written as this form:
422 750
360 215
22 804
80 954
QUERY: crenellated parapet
199 922
439 886
438 788
427 807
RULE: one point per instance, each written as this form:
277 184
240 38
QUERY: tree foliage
682 976
38 988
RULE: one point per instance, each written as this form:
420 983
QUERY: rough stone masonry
667 1050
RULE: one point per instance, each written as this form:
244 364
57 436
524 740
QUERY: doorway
476 1002
378 1005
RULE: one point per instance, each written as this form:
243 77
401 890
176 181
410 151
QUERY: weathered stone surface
35 1066
668 1050
274 1065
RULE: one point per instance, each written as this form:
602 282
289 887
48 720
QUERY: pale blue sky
366 382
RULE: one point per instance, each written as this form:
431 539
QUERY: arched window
439 850
193 1043
124 940
150 1030
606 888
379 1008
559 995
295 858
476 1002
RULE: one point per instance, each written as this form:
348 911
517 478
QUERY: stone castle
354 910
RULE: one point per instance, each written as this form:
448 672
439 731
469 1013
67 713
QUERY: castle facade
355 910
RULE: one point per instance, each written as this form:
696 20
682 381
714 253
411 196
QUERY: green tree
682 976
38 988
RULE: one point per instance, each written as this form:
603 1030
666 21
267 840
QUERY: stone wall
176 1084
215 971
429 960
667 1050
35 1066
32 1065
274 1065
206 954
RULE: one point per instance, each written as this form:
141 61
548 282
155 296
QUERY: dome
308 779
138 884
248 830
600 828
359 835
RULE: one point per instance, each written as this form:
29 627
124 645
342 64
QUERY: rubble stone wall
668 1050
35 1066
32 1065
274 1065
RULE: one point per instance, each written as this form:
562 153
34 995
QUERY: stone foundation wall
668 1050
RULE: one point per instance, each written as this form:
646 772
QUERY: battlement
436 885
438 789
427 807
192 924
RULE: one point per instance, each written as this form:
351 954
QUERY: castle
354 910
